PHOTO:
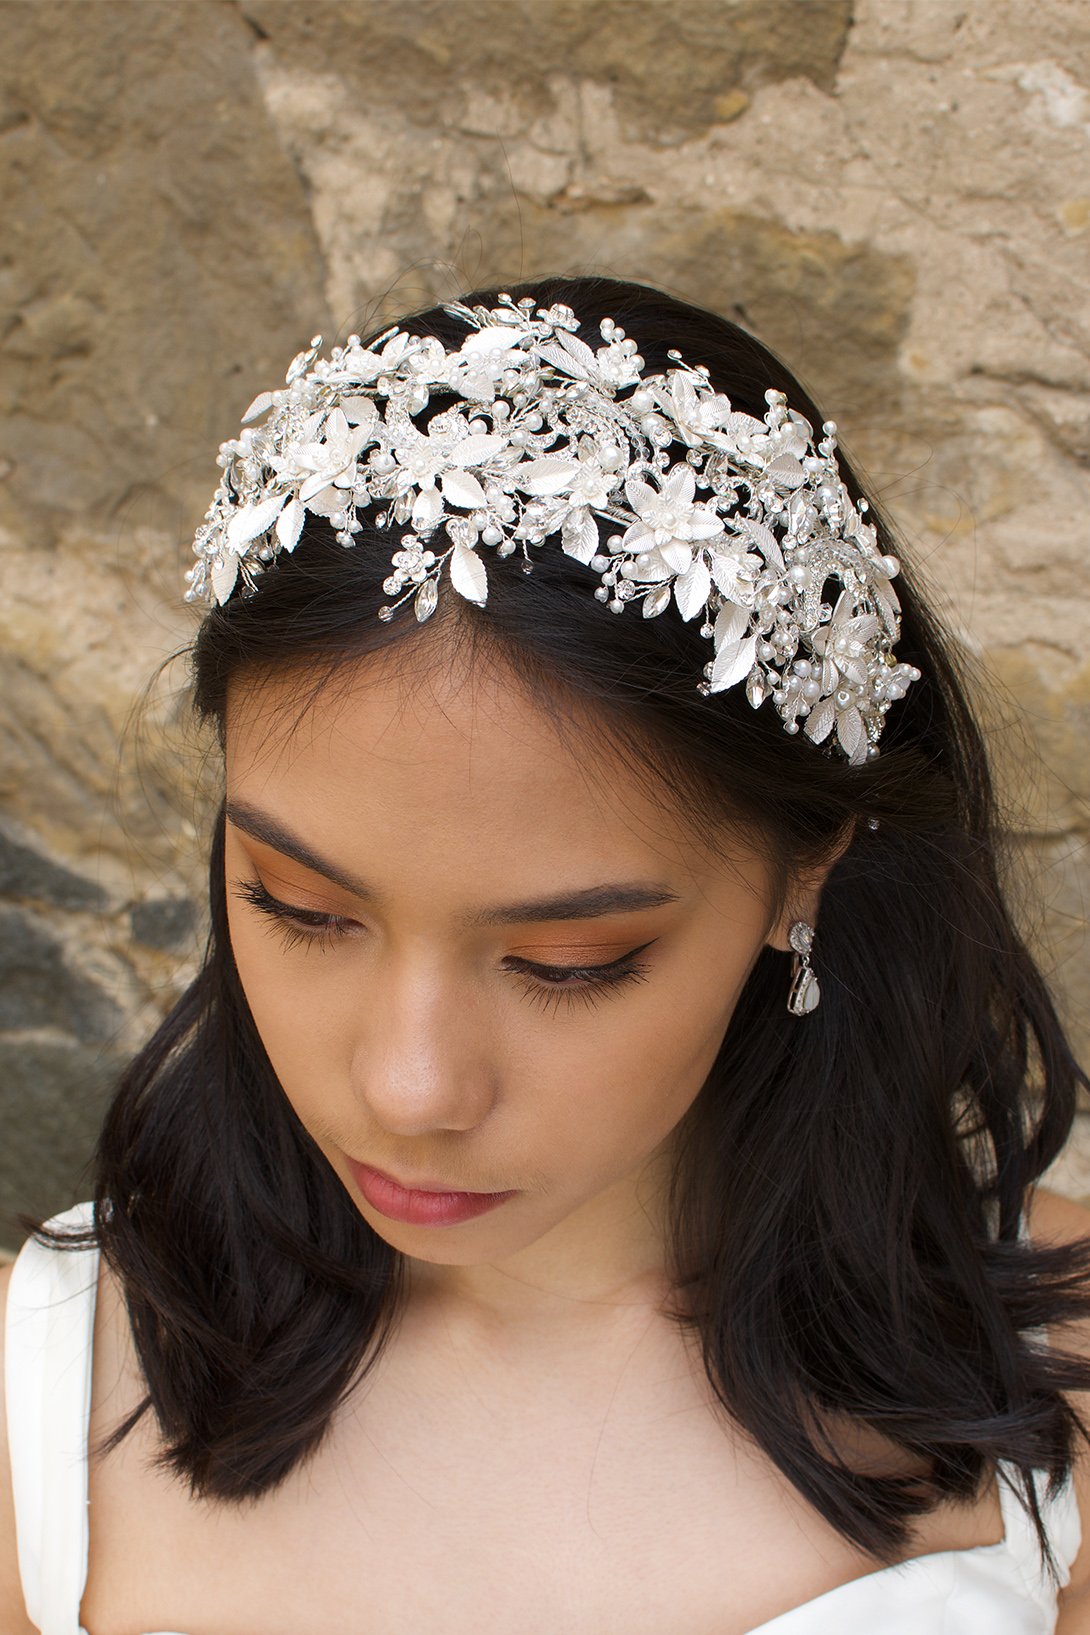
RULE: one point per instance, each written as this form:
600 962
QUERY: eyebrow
588 903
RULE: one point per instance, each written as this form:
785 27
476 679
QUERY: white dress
992 1589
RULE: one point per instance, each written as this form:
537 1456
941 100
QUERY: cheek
289 1004
618 1090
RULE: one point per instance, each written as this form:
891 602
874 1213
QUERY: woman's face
512 970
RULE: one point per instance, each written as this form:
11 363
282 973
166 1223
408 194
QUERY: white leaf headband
743 527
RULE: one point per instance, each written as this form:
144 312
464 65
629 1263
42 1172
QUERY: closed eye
547 984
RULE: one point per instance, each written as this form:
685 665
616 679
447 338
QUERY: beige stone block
162 257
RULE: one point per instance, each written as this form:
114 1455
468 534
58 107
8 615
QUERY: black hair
845 1205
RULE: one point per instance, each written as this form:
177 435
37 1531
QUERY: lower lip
422 1208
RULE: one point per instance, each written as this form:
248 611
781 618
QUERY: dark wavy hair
845 1204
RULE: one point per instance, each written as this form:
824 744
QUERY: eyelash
564 982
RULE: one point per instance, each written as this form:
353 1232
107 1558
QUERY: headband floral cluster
533 435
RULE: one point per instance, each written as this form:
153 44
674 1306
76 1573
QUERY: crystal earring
805 995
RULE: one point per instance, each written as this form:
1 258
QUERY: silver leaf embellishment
257 408
692 588
252 520
765 540
326 501
731 623
468 575
819 723
579 535
850 734
547 476
359 411
564 357
732 662
475 449
289 524
427 508
224 575
462 488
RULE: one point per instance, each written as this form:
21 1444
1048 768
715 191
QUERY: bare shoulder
13 1618
1051 1218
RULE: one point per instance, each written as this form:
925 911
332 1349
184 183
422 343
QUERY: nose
424 1060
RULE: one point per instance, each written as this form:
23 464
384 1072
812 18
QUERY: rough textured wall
895 195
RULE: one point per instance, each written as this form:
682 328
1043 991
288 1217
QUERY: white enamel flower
358 364
735 569
330 461
843 645
704 416
476 370
669 520
446 445
593 481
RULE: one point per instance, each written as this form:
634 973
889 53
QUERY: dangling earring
805 995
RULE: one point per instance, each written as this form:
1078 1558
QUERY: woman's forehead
453 761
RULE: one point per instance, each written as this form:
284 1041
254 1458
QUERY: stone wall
894 193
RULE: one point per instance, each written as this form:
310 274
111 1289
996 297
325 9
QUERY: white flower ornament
534 436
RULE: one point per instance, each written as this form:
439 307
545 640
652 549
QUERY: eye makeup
546 984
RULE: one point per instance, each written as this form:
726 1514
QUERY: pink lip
421 1206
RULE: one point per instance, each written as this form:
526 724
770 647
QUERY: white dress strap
49 1334
1063 1524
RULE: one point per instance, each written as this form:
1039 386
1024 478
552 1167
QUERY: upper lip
425 1185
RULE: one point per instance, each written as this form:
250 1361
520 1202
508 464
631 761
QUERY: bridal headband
532 435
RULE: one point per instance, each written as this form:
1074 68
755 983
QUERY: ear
804 897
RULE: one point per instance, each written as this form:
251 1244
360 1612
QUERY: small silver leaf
819 723
850 733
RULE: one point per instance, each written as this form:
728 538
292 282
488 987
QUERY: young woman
590 1185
